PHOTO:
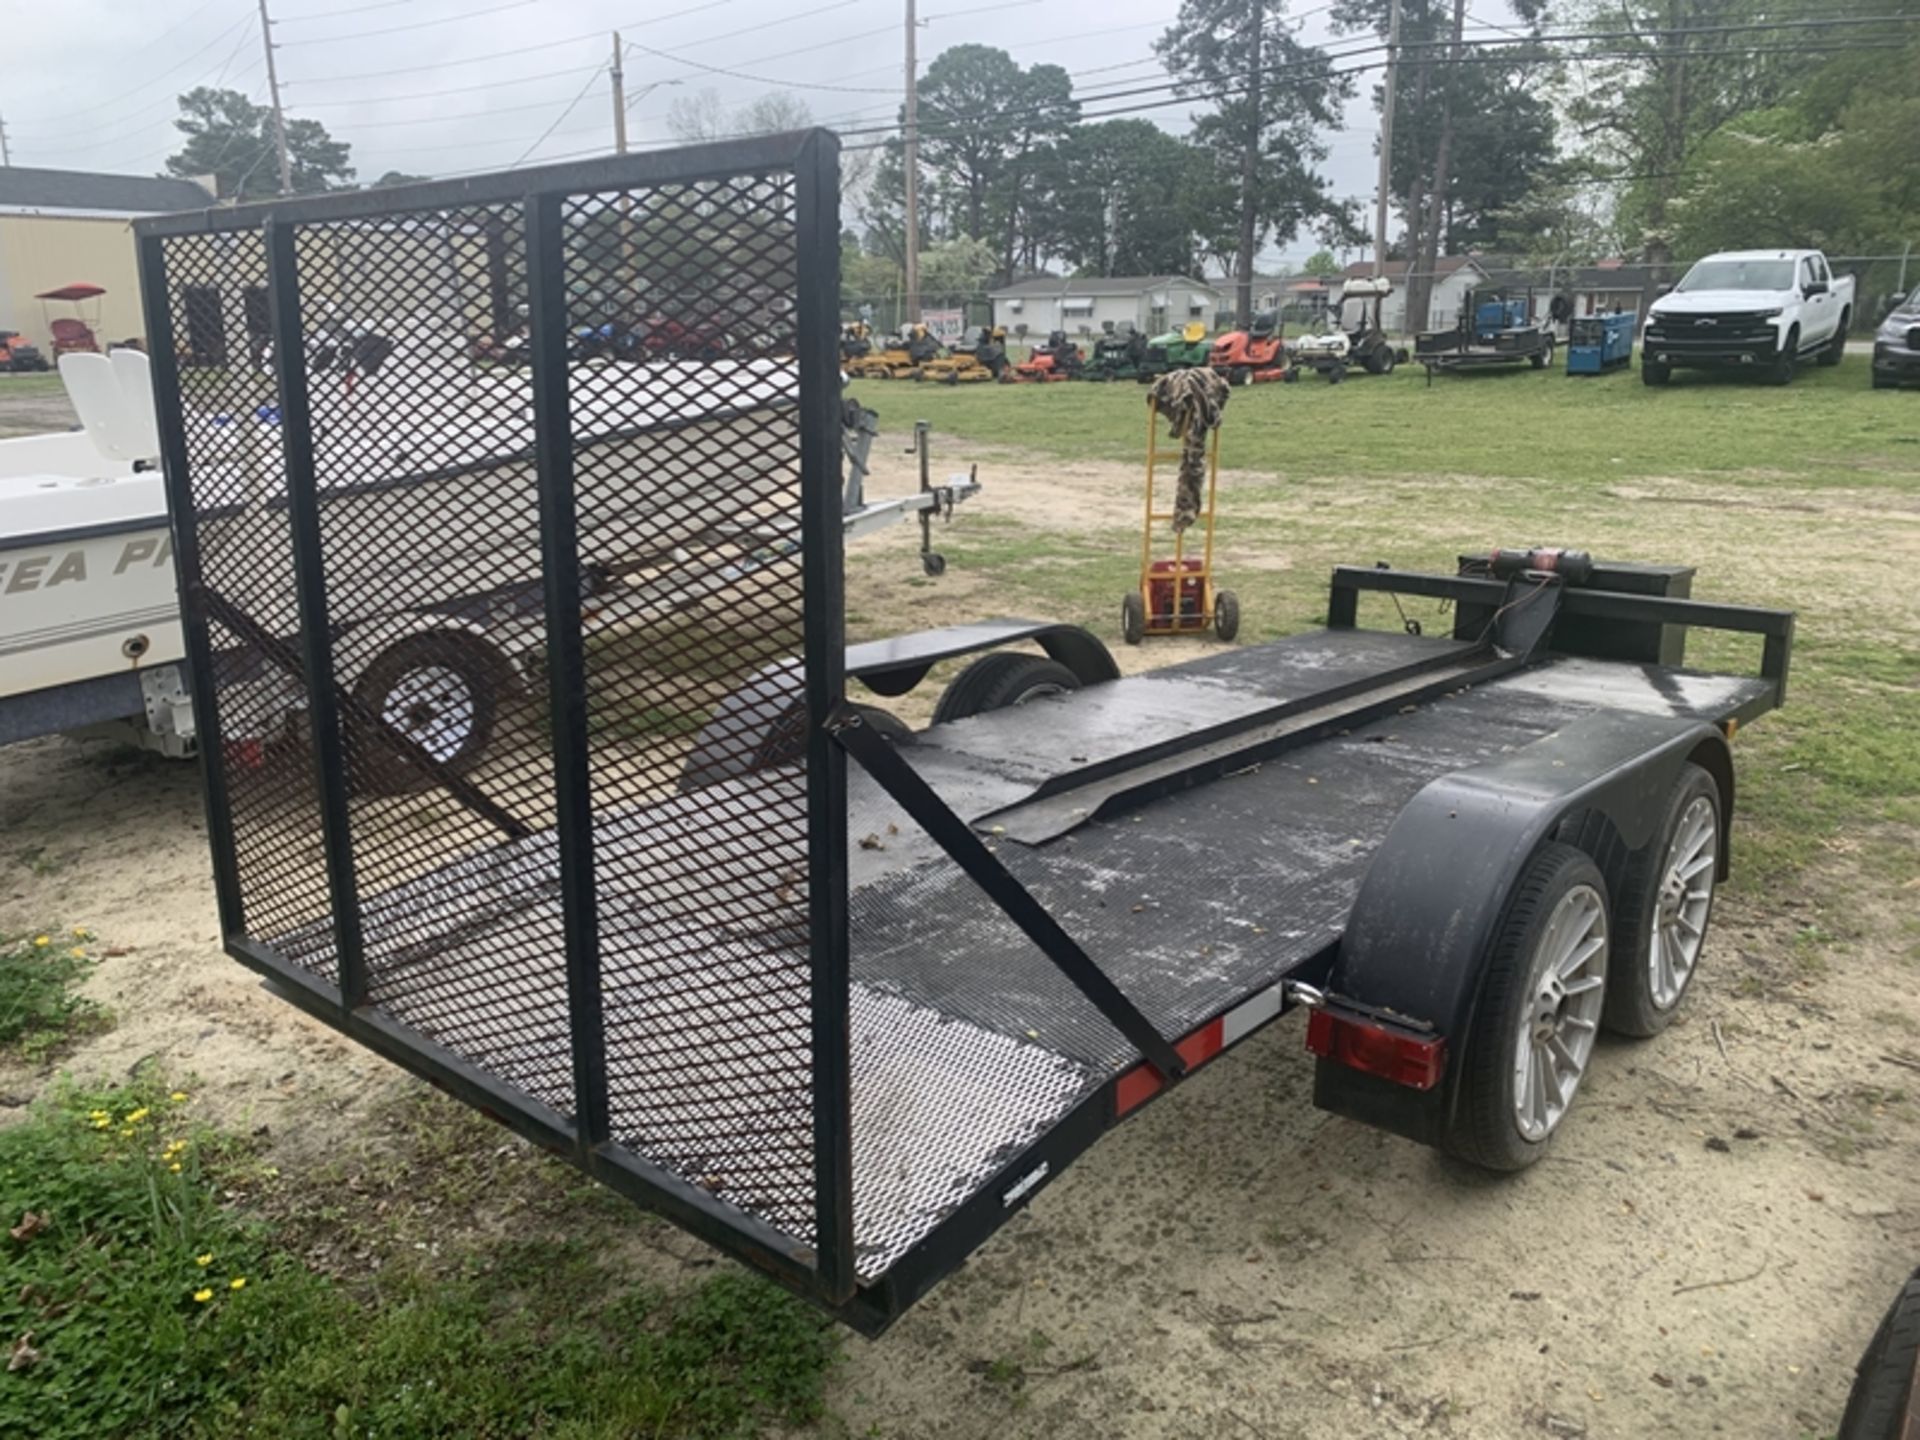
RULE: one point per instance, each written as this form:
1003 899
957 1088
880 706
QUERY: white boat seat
135 374
104 411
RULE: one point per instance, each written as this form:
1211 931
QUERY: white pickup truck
1764 310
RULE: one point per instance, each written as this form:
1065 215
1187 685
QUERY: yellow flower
99 1114
174 1167
239 1282
80 932
101 1122
174 1147
203 1260
134 1117
177 1096
203 1295
77 953
42 940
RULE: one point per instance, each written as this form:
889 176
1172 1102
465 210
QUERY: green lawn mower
1183 349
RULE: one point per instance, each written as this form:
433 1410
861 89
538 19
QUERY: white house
1456 277
1150 303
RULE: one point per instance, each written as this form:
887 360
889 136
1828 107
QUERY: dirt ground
1705 1252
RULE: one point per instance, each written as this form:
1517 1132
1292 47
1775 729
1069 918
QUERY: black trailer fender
731 742
1416 942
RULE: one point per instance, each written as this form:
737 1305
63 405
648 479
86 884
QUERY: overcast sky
460 85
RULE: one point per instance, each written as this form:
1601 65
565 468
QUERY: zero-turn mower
856 340
985 359
1058 359
1253 356
901 358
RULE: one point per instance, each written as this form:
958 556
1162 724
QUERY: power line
522 49
416 25
433 94
164 75
571 105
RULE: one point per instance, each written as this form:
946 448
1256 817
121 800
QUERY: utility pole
1386 144
6 155
912 315
1250 168
279 115
619 99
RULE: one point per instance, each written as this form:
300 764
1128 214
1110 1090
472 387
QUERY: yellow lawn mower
984 360
899 359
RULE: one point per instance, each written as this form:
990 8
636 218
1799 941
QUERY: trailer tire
1883 1380
1226 614
1522 1005
1002 679
1640 1002
441 690
1542 359
1133 618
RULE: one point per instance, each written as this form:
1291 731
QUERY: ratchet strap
899 779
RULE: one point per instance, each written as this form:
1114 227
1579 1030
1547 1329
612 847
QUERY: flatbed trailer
842 999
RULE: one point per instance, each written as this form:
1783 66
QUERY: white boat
89 624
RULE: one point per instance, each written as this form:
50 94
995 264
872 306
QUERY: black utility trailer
1495 329
838 997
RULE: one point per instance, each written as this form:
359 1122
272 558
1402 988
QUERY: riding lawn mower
901 358
1185 349
1120 354
1058 359
985 359
1253 356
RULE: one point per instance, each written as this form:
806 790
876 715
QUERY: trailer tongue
840 997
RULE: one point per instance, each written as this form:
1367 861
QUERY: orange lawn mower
1176 594
1058 359
1254 356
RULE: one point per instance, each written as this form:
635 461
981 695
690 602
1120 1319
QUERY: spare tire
1006 677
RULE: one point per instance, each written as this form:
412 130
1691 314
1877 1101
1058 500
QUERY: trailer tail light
1401 1056
244 754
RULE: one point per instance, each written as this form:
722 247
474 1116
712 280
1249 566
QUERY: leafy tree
1843 176
1653 95
397 177
1471 136
961 266
233 139
1274 99
985 125
1321 265
1126 199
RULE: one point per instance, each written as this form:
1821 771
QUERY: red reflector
1411 1060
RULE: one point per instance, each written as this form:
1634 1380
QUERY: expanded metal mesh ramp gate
436 455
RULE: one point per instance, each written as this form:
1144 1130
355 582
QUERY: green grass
39 1012
39 383
142 1301
1827 428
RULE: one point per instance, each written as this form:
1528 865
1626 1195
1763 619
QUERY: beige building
66 227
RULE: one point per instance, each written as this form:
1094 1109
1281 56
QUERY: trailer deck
1191 903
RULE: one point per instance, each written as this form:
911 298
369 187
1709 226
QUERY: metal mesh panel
230 418
686 470
442 491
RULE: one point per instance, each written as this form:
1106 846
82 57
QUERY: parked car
1764 310
1896 345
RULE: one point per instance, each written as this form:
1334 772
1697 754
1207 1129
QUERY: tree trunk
1420 276
1250 171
